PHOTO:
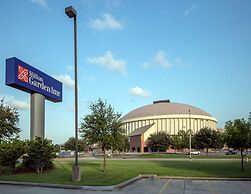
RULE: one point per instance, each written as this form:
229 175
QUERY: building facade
164 116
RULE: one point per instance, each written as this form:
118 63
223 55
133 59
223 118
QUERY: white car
193 153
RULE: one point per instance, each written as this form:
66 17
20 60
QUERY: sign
22 76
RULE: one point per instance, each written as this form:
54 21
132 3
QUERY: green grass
121 170
186 156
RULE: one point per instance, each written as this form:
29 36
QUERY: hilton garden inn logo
22 74
34 79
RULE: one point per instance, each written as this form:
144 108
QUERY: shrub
10 151
40 153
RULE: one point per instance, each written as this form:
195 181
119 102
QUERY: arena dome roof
163 107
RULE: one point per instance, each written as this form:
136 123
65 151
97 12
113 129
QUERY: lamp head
71 12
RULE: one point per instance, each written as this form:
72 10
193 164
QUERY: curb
118 186
40 185
92 188
58 186
141 176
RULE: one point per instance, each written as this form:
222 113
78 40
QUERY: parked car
65 153
193 153
102 154
231 152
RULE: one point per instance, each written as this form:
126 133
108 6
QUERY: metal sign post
37 114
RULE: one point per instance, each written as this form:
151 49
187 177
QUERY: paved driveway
148 186
169 186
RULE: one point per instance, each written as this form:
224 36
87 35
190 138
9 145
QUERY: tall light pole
76 173
190 137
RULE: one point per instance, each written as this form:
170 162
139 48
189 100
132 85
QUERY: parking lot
174 186
148 186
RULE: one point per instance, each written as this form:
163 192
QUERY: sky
131 53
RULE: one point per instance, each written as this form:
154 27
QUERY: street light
190 137
76 174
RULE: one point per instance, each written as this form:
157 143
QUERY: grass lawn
156 155
121 170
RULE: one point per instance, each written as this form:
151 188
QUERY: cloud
66 80
41 3
161 59
108 22
146 65
69 67
187 12
23 105
12 101
140 92
108 62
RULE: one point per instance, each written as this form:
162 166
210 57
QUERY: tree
217 141
159 141
40 153
120 143
181 140
70 144
57 148
206 138
9 119
238 136
101 126
10 151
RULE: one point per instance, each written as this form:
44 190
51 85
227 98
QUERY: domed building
166 116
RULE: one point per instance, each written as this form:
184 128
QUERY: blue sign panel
22 76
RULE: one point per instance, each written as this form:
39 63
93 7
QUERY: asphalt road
147 186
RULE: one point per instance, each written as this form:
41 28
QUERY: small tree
101 126
57 148
207 138
181 140
10 151
238 136
159 141
9 119
70 144
120 143
217 141
39 154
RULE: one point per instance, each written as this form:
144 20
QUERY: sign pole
190 137
37 116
